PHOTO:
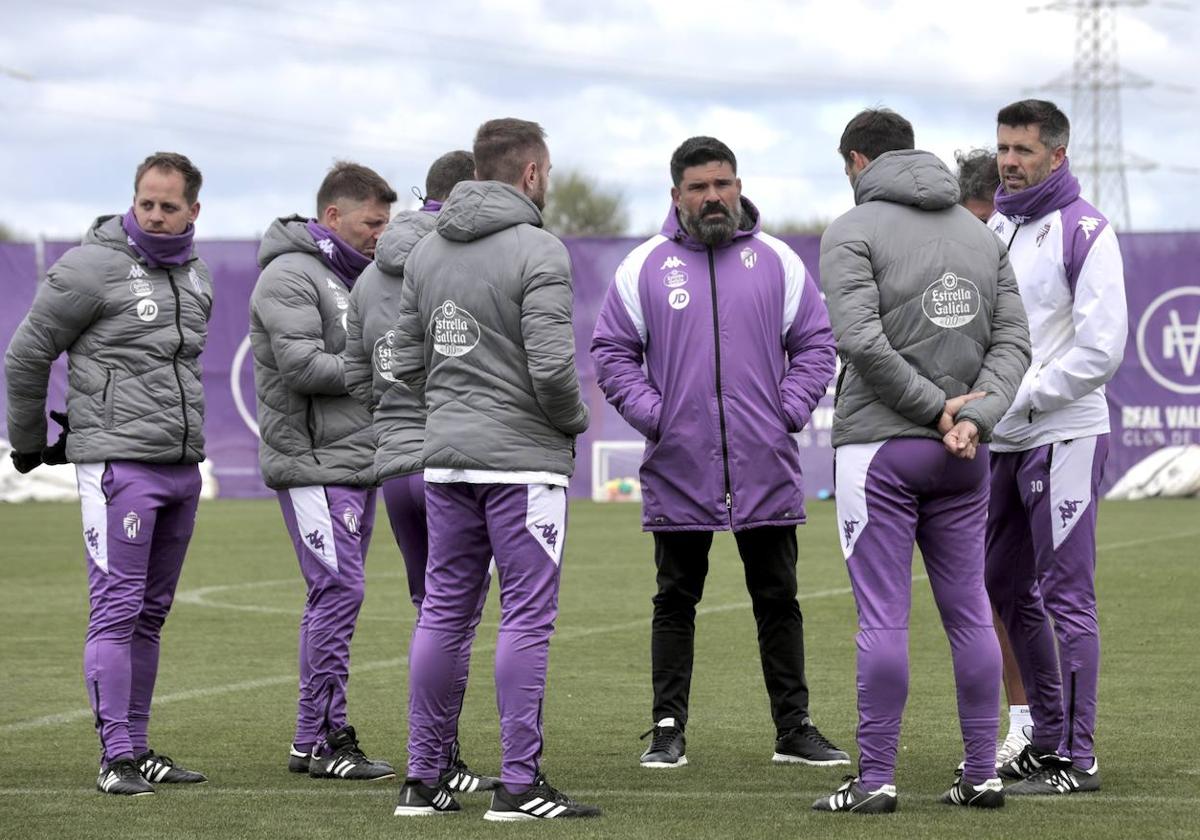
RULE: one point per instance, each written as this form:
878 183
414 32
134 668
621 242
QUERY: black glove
25 461
57 454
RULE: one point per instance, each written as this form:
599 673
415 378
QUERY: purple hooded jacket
737 350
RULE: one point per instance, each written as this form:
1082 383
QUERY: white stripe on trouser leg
1070 485
315 523
95 512
852 462
546 517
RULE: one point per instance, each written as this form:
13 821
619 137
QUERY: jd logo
679 299
147 309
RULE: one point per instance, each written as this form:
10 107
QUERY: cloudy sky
264 96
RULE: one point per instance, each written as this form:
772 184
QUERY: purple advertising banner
1154 398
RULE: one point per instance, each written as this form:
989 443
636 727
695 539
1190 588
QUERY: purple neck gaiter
159 250
345 260
1057 191
431 205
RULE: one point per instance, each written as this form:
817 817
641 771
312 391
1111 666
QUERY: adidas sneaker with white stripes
853 798
346 761
462 779
540 802
418 799
121 778
160 769
989 794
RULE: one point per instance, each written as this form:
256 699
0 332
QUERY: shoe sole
344 779
784 758
666 765
508 816
427 811
129 795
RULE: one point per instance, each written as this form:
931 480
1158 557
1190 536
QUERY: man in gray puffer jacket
130 307
318 450
399 414
485 337
934 342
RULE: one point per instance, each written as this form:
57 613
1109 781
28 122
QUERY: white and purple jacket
737 350
1072 282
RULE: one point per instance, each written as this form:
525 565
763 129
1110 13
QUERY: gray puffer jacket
370 337
133 337
924 305
313 431
485 335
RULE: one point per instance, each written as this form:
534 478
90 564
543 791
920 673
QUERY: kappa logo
1089 225
133 524
135 272
141 287
672 262
194 278
1068 509
331 283
848 527
93 538
1042 234
679 299
147 309
327 247
549 533
675 278
351 520
749 257
999 228
316 541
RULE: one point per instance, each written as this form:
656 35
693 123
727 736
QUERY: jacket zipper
712 279
175 367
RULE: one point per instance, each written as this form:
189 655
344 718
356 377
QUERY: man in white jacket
1048 451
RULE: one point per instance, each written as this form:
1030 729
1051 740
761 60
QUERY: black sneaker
298 761
989 794
160 769
806 745
666 747
540 802
418 799
121 777
853 798
1058 781
463 779
1029 761
346 760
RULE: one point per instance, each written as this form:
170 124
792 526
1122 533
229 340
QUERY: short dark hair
874 131
697 151
173 162
978 176
447 171
1054 129
504 147
355 182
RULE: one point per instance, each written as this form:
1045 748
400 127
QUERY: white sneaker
1011 747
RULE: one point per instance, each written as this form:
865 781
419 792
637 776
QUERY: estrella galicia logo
141 287
1068 509
133 524
549 533
93 538
675 278
848 527
1168 340
381 355
455 331
951 301
316 541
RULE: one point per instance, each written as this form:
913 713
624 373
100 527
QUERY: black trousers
769 560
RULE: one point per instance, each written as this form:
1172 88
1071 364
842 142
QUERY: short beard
709 231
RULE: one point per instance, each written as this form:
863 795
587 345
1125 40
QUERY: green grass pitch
226 694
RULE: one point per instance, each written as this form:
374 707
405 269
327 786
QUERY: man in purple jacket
741 353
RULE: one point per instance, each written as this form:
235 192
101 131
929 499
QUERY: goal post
615 465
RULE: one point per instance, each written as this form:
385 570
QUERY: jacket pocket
110 394
313 426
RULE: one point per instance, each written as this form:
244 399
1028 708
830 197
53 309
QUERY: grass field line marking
374 665
270 682
201 597
804 797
